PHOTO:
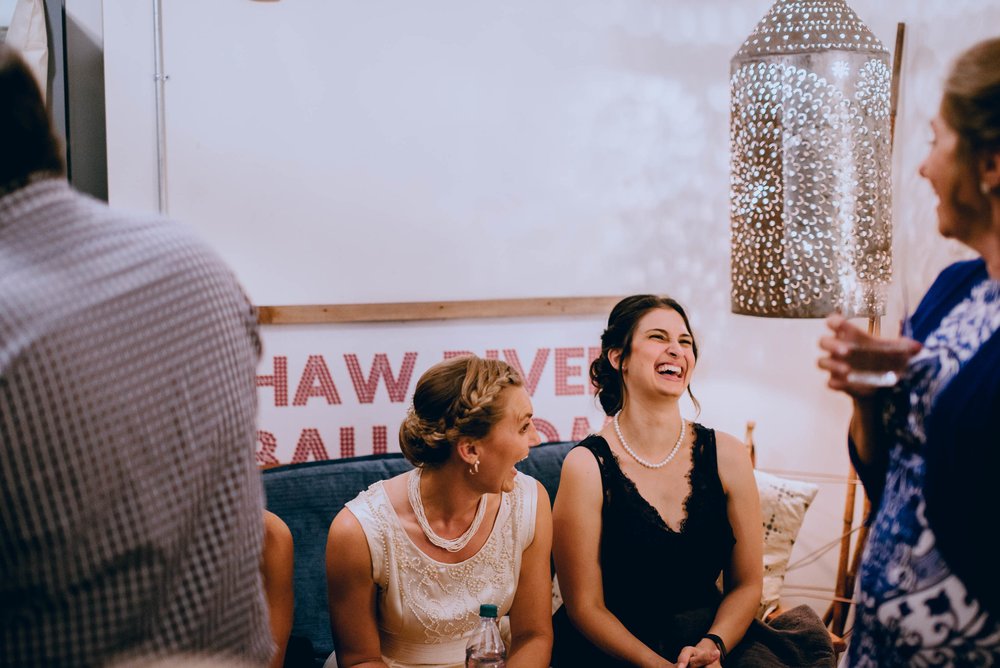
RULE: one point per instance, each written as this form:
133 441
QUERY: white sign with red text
331 391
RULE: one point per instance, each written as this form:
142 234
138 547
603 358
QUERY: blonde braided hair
454 399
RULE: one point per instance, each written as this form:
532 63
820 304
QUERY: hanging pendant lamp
810 188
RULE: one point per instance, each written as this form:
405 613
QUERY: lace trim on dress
444 598
698 476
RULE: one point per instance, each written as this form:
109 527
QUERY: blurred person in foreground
130 504
927 449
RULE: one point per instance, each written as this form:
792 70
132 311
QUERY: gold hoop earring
474 469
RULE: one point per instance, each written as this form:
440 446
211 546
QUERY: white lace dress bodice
428 609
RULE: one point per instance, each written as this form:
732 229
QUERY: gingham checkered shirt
130 505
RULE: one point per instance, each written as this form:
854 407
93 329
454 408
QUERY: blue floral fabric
911 607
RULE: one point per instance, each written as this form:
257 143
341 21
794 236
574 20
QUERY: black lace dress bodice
679 568
661 583
658 581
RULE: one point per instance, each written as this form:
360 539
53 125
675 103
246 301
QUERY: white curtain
27 34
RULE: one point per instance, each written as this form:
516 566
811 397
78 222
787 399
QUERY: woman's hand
705 653
850 346
869 442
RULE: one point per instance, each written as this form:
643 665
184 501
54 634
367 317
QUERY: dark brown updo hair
970 104
624 318
454 399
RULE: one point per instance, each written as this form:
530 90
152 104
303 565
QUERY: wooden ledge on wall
442 310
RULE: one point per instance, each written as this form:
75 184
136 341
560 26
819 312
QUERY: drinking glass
882 361
879 363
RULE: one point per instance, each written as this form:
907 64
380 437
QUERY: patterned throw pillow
783 505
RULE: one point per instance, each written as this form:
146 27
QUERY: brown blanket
796 637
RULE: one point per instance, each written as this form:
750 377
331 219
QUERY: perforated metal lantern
810 184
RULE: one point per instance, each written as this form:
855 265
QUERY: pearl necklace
643 462
450 544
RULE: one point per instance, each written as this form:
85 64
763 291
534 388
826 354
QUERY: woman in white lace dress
410 560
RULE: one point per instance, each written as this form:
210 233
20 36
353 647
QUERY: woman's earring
984 188
474 469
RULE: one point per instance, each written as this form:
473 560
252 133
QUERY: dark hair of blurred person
29 146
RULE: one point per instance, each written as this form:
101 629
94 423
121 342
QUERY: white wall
388 151
84 103
6 11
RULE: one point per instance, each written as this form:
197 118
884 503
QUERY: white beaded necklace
450 544
643 462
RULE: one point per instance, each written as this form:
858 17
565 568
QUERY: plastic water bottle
486 648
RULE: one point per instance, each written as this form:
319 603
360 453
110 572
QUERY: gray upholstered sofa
308 496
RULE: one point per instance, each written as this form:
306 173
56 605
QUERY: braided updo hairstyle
624 318
455 398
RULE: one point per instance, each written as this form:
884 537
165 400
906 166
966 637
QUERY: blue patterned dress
912 607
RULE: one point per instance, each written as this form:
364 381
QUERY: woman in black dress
651 510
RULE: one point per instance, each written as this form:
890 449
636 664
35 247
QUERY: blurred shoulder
275 529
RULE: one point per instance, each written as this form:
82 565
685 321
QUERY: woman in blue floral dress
928 449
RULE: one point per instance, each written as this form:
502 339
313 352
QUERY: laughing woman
651 511
926 449
411 559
